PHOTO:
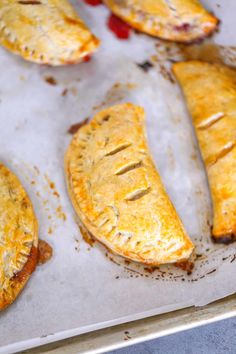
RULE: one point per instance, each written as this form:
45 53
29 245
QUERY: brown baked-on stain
187 266
175 52
145 66
45 252
126 261
166 74
50 80
127 335
64 92
149 270
29 266
75 127
87 236
211 271
209 52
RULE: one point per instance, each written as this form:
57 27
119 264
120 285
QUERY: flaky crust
175 20
210 91
117 192
45 31
18 237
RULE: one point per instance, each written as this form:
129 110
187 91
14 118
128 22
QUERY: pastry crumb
50 80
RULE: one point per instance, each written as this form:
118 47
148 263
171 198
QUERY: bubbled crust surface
45 31
175 20
117 192
18 237
210 91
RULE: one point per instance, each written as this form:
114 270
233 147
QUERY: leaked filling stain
50 80
45 252
187 266
168 53
120 28
198 267
75 127
29 266
88 238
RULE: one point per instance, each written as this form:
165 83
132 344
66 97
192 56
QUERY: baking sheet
84 288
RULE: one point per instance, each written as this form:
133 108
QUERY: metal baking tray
143 330
40 116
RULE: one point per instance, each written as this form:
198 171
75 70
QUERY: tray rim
104 340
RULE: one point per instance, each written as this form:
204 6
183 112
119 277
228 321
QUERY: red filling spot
118 27
93 2
185 27
87 58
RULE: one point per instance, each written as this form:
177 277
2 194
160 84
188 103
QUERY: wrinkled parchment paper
83 287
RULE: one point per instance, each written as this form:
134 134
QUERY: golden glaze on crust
210 91
18 237
175 20
117 192
45 31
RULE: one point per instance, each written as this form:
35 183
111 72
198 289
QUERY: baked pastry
210 91
18 237
175 20
45 31
117 192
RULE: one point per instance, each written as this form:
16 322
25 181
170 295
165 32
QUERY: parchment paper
84 288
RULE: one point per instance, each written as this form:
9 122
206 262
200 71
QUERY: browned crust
20 279
224 239
197 40
173 34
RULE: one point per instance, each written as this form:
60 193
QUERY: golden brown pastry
175 20
210 90
117 192
45 31
18 237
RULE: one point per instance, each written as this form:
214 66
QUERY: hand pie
18 237
210 90
45 31
117 192
175 20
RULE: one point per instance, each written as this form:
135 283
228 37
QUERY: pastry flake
175 20
18 237
117 192
210 91
45 31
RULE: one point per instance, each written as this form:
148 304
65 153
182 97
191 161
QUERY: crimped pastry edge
20 279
